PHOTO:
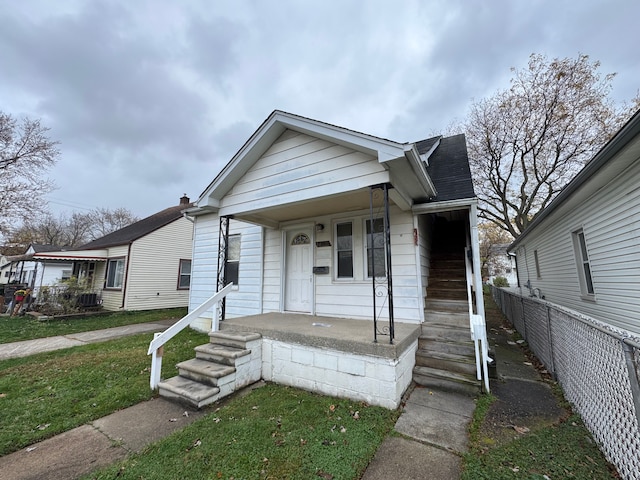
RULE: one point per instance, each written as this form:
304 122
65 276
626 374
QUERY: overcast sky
149 99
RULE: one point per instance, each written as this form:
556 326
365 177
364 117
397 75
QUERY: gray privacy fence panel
590 365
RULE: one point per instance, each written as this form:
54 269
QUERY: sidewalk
433 424
49 344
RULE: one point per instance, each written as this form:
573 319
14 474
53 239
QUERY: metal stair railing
156 346
477 325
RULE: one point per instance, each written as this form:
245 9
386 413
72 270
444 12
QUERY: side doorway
298 291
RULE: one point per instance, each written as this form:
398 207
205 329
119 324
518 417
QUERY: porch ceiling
332 204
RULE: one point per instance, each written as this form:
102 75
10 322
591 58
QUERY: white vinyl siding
152 280
245 300
353 298
299 167
112 299
610 220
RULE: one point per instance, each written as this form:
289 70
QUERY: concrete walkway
433 424
49 344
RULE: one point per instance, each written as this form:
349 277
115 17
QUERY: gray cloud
151 98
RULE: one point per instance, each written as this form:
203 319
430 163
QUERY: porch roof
73 255
402 163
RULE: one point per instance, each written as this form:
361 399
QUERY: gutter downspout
126 277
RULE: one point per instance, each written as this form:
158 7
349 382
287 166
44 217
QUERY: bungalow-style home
352 259
24 269
143 266
583 251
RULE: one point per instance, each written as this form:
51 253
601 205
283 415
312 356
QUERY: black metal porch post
223 248
382 285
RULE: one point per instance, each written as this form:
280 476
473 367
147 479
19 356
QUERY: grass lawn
565 450
15 329
274 432
46 394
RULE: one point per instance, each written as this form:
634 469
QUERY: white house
143 266
36 274
583 250
319 225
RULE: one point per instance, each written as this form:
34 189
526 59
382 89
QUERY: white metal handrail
478 329
159 339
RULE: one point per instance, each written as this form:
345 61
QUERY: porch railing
156 346
478 329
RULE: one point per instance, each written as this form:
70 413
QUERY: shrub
500 282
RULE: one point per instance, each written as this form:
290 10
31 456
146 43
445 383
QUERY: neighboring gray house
324 230
145 265
583 251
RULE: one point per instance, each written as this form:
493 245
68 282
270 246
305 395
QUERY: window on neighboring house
115 273
184 275
375 248
232 265
535 259
584 267
66 275
344 250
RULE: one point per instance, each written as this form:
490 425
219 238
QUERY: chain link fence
597 365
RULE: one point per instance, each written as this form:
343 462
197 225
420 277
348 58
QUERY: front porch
327 355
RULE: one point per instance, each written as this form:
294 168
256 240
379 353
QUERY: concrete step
220 353
451 362
233 339
450 381
205 372
188 392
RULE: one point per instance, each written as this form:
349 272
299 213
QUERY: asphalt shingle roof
136 230
449 167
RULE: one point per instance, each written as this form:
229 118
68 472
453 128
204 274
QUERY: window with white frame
115 273
344 250
376 254
184 275
584 266
232 265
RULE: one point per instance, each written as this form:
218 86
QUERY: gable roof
136 230
448 167
402 157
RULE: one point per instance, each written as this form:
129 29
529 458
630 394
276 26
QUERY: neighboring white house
143 266
583 250
501 264
36 274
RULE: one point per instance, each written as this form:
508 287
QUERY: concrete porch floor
343 334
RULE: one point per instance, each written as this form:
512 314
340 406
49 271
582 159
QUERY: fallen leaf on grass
521 430
185 414
173 419
2 395
332 408
43 426
325 475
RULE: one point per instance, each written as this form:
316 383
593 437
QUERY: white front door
299 275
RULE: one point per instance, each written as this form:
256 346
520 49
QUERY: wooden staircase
445 358
227 363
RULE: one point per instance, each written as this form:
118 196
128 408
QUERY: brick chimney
184 200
